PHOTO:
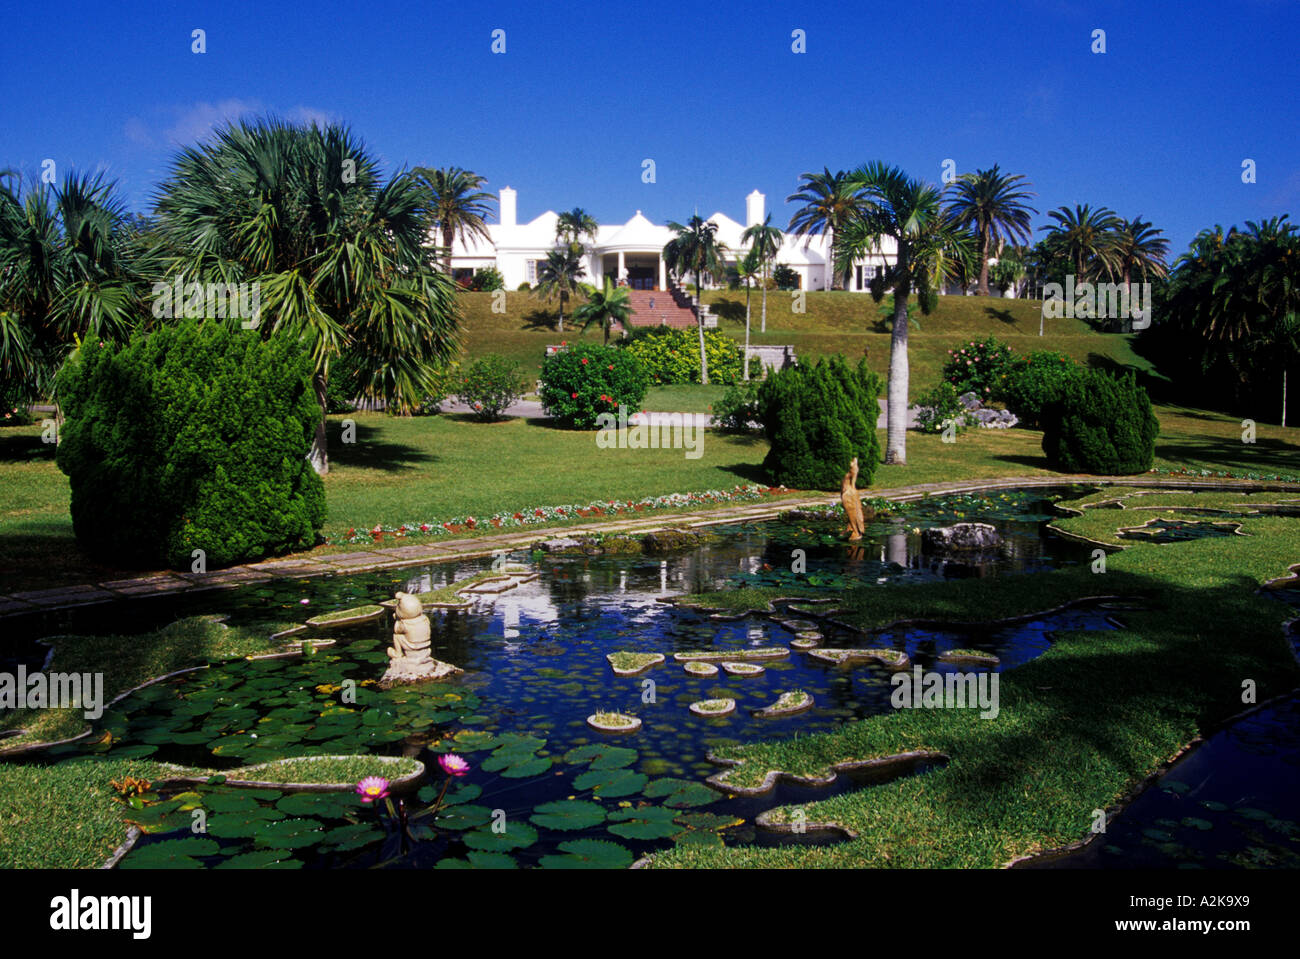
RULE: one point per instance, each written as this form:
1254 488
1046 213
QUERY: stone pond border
307 565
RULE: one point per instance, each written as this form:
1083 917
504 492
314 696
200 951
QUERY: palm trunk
763 328
896 415
984 267
319 456
745 372
699 325
1284 397
560 325
447 237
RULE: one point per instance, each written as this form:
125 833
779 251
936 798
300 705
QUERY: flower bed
541 515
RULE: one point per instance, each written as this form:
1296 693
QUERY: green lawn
436 468
684 398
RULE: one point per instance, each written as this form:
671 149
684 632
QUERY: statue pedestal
410 669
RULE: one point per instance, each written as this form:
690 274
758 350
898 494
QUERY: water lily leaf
261 859
465 816
327 805
466 793
589 854
517 835
469 740
289 833
568 814
611 783
680 793
480 860
648 822
352 836
698 837
602 756
171 854
1195 823
531 767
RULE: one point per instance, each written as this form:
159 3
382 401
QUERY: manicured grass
684 398
436 468
1078 727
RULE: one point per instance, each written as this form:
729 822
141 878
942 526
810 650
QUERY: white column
622 267
663 273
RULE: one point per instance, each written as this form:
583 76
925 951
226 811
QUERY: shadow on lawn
18 447
1003 315
369 452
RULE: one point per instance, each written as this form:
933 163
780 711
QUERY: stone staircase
670 308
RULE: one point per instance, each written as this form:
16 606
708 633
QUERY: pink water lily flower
372 788
453 765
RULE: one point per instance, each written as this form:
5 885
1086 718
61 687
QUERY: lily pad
589 854
517 835
611 783
568 815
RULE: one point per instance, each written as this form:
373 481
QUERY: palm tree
696 250
72 265
828 202
457 207
765 241
992 205
606 307
930 250
1087 237
560 274
339 254
746 269
572 225
1139 248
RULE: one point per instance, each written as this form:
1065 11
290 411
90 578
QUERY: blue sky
1158 125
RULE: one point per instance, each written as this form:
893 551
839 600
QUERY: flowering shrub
540 515
939 406
490 385
587 379
671 356
978 367
738 407
13 405
487 280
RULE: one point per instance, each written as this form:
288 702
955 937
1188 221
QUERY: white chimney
754 208
507 204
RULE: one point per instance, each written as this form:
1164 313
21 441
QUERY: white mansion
633 251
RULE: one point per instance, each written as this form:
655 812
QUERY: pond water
535 668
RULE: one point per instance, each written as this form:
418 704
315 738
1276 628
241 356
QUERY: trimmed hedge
817 418
191 437
1100 424
587 379
671 356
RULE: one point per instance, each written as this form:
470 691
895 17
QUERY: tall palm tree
1087 237
992 205
572 225
1139 248
930 247
338 253
696 249
457 207
765 242
72 264
560 274
828 202
605 307
747 268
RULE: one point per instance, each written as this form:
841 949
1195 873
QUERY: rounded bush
738 407
587 379
490 385
816 419
1101 425
193 437
1034 382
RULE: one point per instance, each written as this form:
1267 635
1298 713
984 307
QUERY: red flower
573 396
521 515
611 366
584 361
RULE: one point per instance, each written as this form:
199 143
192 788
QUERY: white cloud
186 125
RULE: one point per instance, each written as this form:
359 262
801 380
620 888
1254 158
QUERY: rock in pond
961 537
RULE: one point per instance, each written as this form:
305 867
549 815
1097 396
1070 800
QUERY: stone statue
409 658
852 502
